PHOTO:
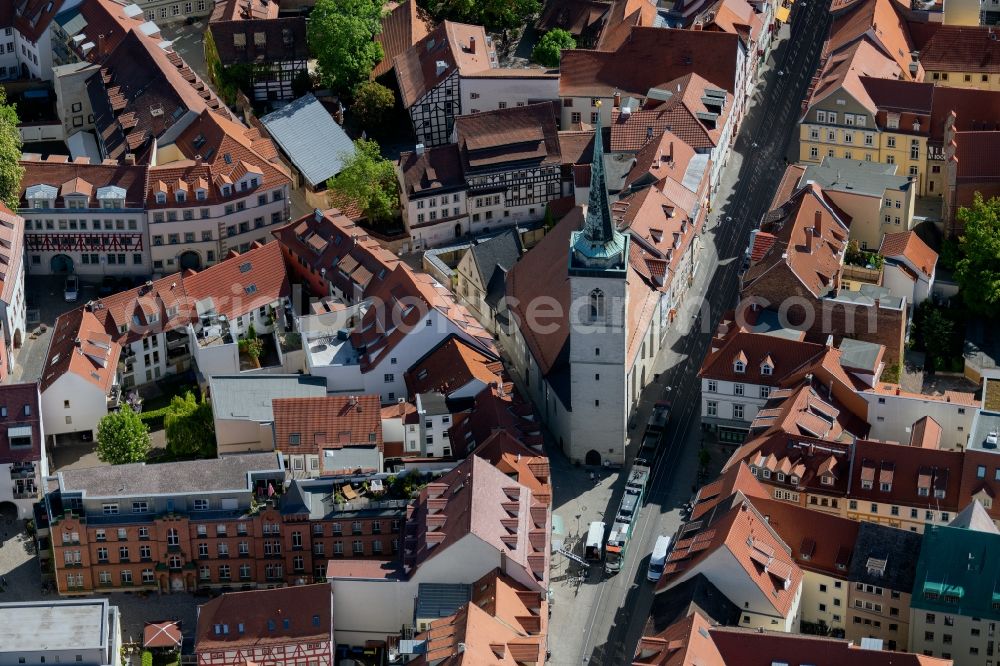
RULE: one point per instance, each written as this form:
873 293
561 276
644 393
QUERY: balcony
115 397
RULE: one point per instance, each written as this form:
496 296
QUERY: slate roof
189 476
311 138
251 397
284 38
497 255
895 546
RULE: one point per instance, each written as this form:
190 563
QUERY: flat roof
867 178
249 396
982 425
859 354
57 625
189 476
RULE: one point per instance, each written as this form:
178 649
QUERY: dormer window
781 477
226 190
939 494
161 197
866 484
200 195
181 195
795 480
826 480
739 367
766 369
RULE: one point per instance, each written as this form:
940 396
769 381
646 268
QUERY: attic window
251 289
294 439
199 141
766 369
161 197
181 195
200 195
739 367
239 40
826 480
228 158
246 266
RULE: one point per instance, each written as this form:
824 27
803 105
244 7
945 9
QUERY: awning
781 13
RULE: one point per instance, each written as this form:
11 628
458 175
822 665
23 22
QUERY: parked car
658 559
72 289
109 285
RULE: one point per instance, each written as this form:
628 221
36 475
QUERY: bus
626 518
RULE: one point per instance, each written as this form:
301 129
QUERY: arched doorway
593 458
190 259
61 263
17 339
458 230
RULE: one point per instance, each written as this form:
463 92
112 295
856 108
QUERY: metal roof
249 396
436 600
311 138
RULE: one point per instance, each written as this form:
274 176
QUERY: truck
652 439
594 546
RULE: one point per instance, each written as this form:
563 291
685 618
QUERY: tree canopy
978 271
369 180
11 170
372 104
341 35
549 48
935 334
122 437
189 426
494 15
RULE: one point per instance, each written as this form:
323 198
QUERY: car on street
658 559
71 291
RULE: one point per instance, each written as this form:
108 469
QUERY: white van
658 559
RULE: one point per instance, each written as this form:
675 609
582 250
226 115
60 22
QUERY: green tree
341 35
369 180
372 104
11 170
978 270
122 437
189 426
935 333
549 48
494 15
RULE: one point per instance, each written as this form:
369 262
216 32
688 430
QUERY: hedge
154 417
147 658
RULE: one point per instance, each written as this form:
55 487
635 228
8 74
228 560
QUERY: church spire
598 246
598 227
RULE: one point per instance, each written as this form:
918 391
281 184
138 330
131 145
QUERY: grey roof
982 425
858 354
78 624
436 600
899 548
843 175
311 138
974 517
249 396
695 171
867 294
497 253
433 403
175 478
695 594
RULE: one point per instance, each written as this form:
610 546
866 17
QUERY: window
596 308
765 392
738 389
110 509
201 505
389 378
713 386
737 411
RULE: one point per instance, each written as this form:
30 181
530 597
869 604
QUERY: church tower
598 266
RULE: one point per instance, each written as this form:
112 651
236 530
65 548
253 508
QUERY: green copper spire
598 246
598 226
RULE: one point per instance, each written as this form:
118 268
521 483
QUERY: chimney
819 224
617 100
472 44
100 44
670 155
419 149
130 159
809 240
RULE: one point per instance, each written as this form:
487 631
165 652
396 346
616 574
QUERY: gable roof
844 71
667 55
452 365
520 135
784 355
884 556
498 407
94 358
299 613
33 17
809 238
908 246
435 170
450 47
622 18
311 138
403 25
260 273
686 642
493 259
959 48
266 39
327 422
96 27
880 23
974 517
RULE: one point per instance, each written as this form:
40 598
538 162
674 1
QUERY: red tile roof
667 55
403 25
284 38
105 28
665 156
498 407
909 246
531 467
620 20
33 17
975 154
974 110
437 170
94 358
460 47
329 242
809 237
504 623
162 635
737 479
880 23
958 48
242 283
329 422
679 114
520 135
784 356
914 469
300 613
577 17
820 541
11 255
683 643
843 71
55 172
452 365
